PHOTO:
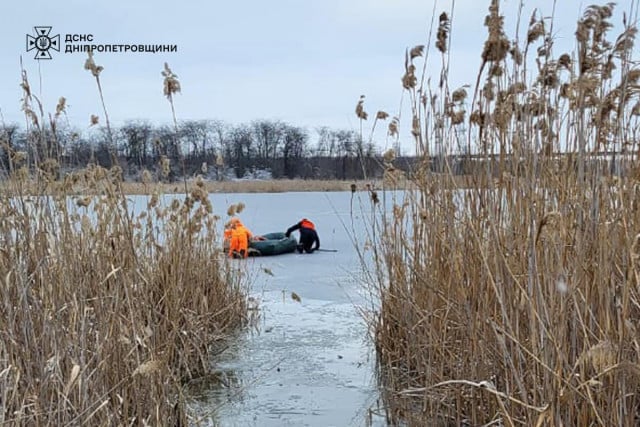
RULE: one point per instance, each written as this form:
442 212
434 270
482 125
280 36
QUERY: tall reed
517 301
107 310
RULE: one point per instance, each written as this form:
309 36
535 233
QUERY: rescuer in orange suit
237 236
308 236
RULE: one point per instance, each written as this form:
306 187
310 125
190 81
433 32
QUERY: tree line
219 149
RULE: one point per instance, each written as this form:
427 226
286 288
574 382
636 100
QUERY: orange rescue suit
239 243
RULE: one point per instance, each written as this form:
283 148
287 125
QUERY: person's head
233 223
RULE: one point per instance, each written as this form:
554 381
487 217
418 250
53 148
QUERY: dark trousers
307 237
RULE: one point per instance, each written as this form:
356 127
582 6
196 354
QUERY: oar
327 250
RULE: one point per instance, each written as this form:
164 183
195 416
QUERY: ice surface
307 363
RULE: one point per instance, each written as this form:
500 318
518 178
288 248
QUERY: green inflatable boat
273 244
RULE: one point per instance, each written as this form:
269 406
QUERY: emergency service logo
42 42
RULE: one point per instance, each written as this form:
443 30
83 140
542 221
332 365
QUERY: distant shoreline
31 187
240 186
251 186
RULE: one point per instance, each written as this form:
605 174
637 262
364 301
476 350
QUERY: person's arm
292 229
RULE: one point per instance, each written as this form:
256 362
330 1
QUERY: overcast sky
302 61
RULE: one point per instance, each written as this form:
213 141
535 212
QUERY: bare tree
136 137
326 142
197 135
293 150
268 139
241 140
218 130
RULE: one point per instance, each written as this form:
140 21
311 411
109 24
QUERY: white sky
302 61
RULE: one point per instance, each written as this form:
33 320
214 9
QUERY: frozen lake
306 363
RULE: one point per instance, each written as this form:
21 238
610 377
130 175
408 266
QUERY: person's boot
299 248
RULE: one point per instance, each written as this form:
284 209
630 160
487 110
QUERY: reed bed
143 187
80 187
259 186
107 315
517 301
107 312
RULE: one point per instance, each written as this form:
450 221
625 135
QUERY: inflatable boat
272 244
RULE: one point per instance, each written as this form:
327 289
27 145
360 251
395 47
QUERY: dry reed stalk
171 86
95 71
